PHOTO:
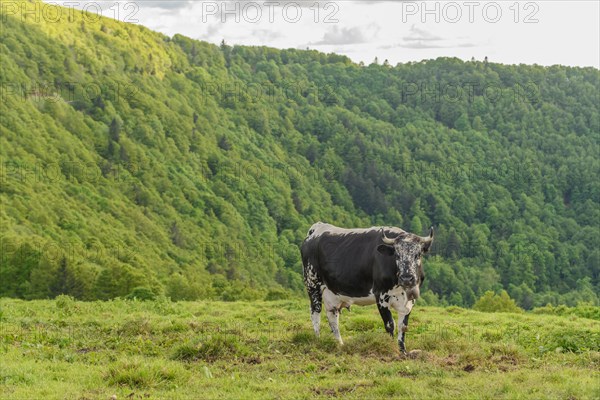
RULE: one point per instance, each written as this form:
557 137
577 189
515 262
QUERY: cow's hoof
414 354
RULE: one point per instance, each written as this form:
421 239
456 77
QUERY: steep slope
133 159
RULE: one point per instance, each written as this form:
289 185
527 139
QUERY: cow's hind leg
315 309
333 316
313 287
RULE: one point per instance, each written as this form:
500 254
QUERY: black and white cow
378 265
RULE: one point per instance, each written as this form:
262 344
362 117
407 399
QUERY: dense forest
132 161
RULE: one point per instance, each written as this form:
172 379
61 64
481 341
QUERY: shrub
163 305
371 344
142 374
307 339
214 348
64 302
491 302
235 291
576 341
135 327
277 294
428 298
583 310
304 337
141 293
361 324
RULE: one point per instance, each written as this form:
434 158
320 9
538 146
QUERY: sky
509 32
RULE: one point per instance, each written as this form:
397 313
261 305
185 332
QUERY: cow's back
344 259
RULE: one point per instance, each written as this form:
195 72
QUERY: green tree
491 302
415 225
241 145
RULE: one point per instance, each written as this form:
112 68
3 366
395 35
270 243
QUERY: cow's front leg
402 328
388 319
403 307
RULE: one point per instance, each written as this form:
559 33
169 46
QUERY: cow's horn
386 239
428 238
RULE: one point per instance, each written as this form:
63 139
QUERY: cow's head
407 248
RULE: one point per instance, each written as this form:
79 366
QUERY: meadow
123 349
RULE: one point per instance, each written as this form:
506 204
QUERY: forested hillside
131 159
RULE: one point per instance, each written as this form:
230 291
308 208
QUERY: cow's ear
426 246
386 249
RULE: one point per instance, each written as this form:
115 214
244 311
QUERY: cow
377 265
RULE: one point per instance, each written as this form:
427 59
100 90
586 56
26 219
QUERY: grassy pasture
64 349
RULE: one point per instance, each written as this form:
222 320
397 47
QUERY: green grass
63 349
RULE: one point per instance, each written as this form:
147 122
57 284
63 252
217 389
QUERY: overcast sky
541 32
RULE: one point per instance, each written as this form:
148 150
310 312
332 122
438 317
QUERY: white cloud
562 32
342 36
421 35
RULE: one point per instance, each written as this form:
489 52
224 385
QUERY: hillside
131 159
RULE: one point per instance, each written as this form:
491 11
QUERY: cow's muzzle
407 281
413 293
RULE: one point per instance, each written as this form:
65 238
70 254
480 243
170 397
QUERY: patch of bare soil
340 391
469 368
